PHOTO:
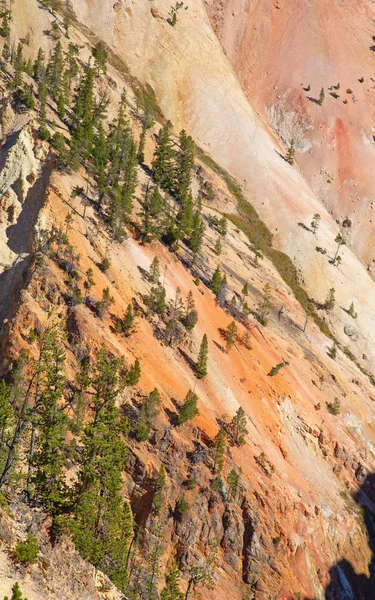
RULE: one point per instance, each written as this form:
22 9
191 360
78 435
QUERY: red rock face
286 52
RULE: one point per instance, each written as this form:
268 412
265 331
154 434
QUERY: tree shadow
314 100
345 583
305 227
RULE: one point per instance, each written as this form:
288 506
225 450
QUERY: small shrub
104 265
349 91
182 506
334 95
27 551
334 407
191 483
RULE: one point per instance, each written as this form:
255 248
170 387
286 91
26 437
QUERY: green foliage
16 593
156 300
133 374
290 154
265 464
189 408
27 552
171 591
351 311
218 247
231 335
151 215
149 411
333 351
330 300
321 97
101 56
128 323
183 506
162 165
216 281
263 308
233 482
201 365
274 371
237 428
334 407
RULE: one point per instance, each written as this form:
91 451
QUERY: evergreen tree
185 217
49 426
162 165
264 306
100 161
171 591
233 481
68 16
218 449
184 167
133 374
196 237
16 593
315 222
156 300
141 145
128 324
19 66
130 183
189 408
218 247
101 56
102 524
231 335
290 154
216 281
154 272
151 207
237 428
201 365
82 123
321 97
191 316
5 23
330 300
340 241
55 70
153 565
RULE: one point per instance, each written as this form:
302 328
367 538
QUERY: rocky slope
294 516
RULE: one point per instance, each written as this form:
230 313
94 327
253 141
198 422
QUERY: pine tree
49 424
16 593
340 241
133 374
171 591
185 217
55 70
233 481
101 56
218 247
19 66
330 300
191 316
264 306
100 162
162 165
216 281
141 145
237 428
101 523
184 167
151 207
231 335
105 303
89 281
321 97
218 449
196 237
68 16
154 272
290 154
201 365
189 408
156 300
315 222
82 123
128 324
5 24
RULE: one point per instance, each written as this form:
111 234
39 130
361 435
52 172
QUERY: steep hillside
281 512
327 46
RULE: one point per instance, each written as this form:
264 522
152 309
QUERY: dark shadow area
20 235
305 227
314 100
345 583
